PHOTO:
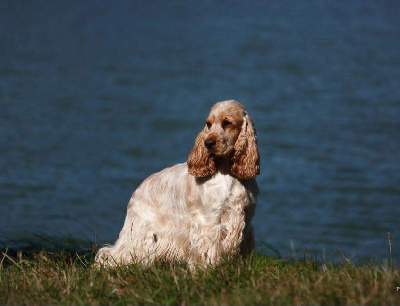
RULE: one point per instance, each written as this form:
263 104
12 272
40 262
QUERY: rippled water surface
96 96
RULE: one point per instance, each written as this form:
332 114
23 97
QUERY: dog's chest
220 190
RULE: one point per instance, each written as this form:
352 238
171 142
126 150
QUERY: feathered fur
197 211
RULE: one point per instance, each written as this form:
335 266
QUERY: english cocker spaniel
201 210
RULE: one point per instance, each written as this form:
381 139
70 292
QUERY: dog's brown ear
199 162
246 159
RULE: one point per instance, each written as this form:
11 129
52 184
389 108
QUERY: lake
95 96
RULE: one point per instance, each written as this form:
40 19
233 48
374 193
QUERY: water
97 96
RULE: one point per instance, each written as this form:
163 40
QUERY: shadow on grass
70 248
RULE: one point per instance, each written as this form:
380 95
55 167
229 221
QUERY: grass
68 278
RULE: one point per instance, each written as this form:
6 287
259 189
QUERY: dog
199 211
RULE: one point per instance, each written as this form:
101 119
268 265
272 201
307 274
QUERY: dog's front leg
206 244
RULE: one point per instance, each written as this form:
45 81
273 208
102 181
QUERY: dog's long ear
199 162
246 159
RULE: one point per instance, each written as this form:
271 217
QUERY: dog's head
229 134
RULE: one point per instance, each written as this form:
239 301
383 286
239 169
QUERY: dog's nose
210 143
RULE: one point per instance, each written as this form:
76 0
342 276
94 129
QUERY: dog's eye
209 124
226 123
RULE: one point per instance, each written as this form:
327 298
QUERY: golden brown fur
236 143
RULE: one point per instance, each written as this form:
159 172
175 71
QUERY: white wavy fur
174 216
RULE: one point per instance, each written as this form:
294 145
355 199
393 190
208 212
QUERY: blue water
95 96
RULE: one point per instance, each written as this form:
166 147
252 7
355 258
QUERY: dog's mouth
225 152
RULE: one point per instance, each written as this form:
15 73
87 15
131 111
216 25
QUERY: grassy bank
52 278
